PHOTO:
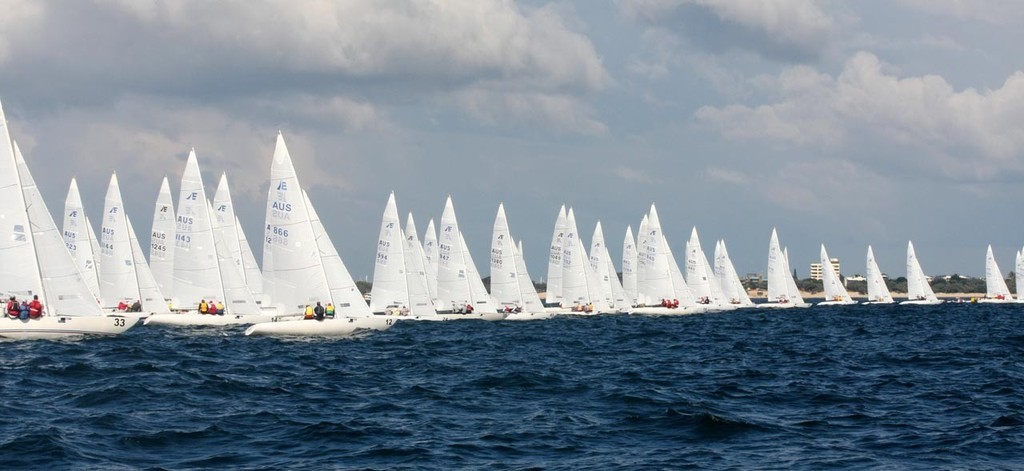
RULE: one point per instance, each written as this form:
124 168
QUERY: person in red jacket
35 308
13 308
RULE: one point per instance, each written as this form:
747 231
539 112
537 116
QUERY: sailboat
305 267
701 278
79 238
532 305
39 262
204 267
995 286
507 283
124 279
878 292
580 285
226 222
918 290
161 244
733 290
782 290
629 275
421 307
553 292
399 280
458 283
608 278
835 292
660 282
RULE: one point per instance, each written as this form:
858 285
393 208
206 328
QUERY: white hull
665 311
836 303
996 301
485 316
337 327
774 305
529 316
53 327
866 303
196 319
922 302
129 315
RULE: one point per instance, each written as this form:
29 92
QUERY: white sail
479 296
791 288
504 271
918 288
579 282
430 254
341 288
733 290
1018 272
420 303
196 266
995 285
680 289
78 237
50 272
161 243
253 275
641 262
236 296
531 300
629 275
452 277
389 283
878 292
119 281
16 241
657 278
599 264
235 246
150 296
553 292
778 290
700 278
833 286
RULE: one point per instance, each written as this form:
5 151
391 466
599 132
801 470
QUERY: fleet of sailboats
200 256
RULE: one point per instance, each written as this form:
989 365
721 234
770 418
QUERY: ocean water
861 387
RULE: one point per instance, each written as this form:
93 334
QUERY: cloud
970 131
541 110
1000 12
788 30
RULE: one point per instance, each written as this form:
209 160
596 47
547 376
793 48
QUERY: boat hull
667 311
483 316
55 327
836 303
782 305
336 327
196 319
530 316
921 302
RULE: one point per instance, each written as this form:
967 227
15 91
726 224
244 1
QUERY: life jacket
330 309
213 308
13 309
204 308
309 312
35 308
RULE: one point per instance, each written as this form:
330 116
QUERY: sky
839 123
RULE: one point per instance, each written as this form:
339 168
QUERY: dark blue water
854 387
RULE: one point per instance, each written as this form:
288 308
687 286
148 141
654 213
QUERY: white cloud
549 111
926 113
16 17
1001 12
787 29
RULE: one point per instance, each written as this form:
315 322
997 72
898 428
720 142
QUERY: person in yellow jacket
220 307
203 307
309 312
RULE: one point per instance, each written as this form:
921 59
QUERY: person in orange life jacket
35 308
204 308
308 314
13 308
319 311
212 308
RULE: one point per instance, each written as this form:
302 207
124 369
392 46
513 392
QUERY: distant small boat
918 289
878 292
733 289
835 292
511 287
996 290
782 289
